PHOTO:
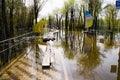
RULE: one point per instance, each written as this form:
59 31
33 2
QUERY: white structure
49 55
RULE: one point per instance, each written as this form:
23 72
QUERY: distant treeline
72 15
16 18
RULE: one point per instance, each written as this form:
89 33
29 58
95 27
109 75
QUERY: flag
88 19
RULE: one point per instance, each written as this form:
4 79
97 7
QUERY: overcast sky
51 5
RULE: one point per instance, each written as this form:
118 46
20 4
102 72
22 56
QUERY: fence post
9 53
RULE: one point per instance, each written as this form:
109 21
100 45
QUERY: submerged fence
13 47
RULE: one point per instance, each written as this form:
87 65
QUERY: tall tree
11 8
38 5
4 20
1 30
66 12
30 19
58 18
111 17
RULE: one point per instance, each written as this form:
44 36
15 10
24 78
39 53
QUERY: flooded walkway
95 60
29 67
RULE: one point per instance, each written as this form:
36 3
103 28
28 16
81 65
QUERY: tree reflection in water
71 45
88 53
109 42
85 50
89 58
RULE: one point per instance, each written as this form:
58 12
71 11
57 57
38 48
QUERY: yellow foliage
39 27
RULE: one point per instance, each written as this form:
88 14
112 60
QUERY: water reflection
93 55
89 58
71 44
109 41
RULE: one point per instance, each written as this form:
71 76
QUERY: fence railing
13 47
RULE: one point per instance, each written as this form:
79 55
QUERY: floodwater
92 57
77 57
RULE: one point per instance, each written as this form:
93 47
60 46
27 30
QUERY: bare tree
38 5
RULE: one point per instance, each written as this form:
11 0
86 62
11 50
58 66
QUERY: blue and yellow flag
88 19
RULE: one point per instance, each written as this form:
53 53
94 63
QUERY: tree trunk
66 21
95 22
36 17
35 10
11 20
4 20
109 28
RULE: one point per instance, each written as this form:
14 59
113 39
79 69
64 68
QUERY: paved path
29 67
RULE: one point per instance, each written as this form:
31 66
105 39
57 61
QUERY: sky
51 5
